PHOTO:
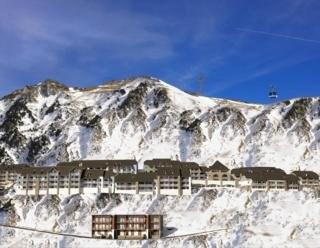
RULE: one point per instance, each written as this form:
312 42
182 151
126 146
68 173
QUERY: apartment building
165 181
115 166
71 177
154 164
141 183
292 182
132 227
8 175
265 178
308 179
161 177
3 182
218 175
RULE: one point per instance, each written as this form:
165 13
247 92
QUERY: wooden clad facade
127 226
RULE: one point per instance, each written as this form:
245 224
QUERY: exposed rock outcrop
37 146
134 99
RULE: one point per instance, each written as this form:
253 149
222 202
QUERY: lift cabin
273 95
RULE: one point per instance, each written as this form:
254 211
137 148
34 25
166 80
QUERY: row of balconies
101 227
102 219
166 186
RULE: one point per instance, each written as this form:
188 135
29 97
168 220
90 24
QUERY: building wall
125 191
72 183
214 183
127 226
199 181
169 191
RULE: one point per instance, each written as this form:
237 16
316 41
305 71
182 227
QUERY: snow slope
258 219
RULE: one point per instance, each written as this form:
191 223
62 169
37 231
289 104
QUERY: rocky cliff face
145 117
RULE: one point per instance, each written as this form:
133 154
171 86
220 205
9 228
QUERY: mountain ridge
145 117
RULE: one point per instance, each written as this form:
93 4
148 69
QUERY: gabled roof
218 166
306 174
292 179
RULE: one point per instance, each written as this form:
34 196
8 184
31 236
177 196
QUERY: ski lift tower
273 94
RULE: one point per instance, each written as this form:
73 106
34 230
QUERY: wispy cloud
255 73
121 32
277 35
86 42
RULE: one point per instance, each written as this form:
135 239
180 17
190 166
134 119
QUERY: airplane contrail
277 35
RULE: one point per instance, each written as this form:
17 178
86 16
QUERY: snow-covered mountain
145 117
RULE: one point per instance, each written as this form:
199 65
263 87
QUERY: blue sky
241 47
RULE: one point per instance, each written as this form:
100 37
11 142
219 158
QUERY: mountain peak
52 83
129 81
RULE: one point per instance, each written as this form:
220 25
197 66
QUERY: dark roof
108 174
125 178
251 170
168 171
173 171
306 174
92 174
25 171
142 177
203 168
15 167
260 174
218 166
65 170
160 163
184 172
32 170
190 165
73 163
292 179
106 163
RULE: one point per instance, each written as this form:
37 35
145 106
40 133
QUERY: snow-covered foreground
252 219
